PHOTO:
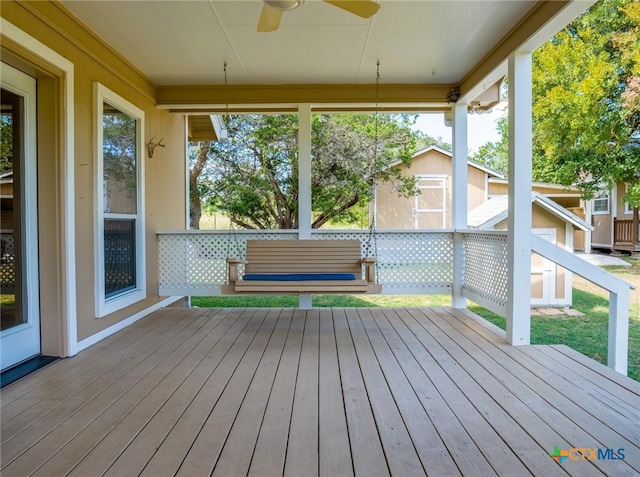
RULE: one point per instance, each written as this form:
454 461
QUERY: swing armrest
233 264
369 269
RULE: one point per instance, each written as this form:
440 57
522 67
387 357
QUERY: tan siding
476 192
93 61
603 224
497 189
620 213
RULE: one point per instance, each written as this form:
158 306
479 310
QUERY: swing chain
373 240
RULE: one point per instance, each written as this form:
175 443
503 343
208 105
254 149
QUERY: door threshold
27 367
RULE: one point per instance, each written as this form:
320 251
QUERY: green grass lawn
586 334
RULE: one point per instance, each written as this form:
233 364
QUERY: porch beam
459 201
357 97
519 190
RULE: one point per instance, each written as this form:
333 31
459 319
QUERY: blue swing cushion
298 277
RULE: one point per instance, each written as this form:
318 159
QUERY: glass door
19 292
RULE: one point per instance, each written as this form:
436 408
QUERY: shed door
543 272
430 210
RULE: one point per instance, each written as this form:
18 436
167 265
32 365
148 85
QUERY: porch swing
300 267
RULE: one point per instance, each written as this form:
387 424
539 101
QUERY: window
601 203
120 253
628 210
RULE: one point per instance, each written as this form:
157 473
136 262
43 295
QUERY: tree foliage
253 177
119 154
495 155
586 95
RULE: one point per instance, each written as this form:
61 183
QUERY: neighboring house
550 284
431 209
613 221
557 214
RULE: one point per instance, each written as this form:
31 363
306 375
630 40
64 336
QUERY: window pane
119 256
601 204
119 161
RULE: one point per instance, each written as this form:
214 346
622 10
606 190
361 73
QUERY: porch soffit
321 55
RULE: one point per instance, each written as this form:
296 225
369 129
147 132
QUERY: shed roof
494 210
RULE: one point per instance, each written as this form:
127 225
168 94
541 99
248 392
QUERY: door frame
60 337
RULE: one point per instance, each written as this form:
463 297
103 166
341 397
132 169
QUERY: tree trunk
195 203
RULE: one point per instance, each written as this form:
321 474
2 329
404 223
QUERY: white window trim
106 306
628 210
601 212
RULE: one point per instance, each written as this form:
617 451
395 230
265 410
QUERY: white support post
459 202
520 182
618 349
304 171
304 183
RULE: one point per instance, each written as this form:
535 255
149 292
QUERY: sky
481 128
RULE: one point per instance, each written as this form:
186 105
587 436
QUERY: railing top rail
295 231
481 231
223 232
578 265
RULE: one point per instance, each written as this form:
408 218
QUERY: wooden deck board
366 449
58 376
266 392
302 450
578 425
334 450
503 387
64 421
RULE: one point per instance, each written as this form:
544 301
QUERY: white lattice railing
485 269
192 262
7 262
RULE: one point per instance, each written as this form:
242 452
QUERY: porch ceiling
434 45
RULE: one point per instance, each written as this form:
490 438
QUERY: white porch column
304 183
519 222
304 171
459 202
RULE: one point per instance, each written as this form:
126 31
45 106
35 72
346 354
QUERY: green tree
495 155
253 177
586 110
424 140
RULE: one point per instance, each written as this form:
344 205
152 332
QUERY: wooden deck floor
234 392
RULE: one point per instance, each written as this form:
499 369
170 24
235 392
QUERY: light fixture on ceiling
284 5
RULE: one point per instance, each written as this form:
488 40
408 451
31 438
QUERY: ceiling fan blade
269 19
362 8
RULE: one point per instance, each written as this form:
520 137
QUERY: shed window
601 203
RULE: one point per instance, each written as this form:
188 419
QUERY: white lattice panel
485 274
7 262
408 262
197 261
